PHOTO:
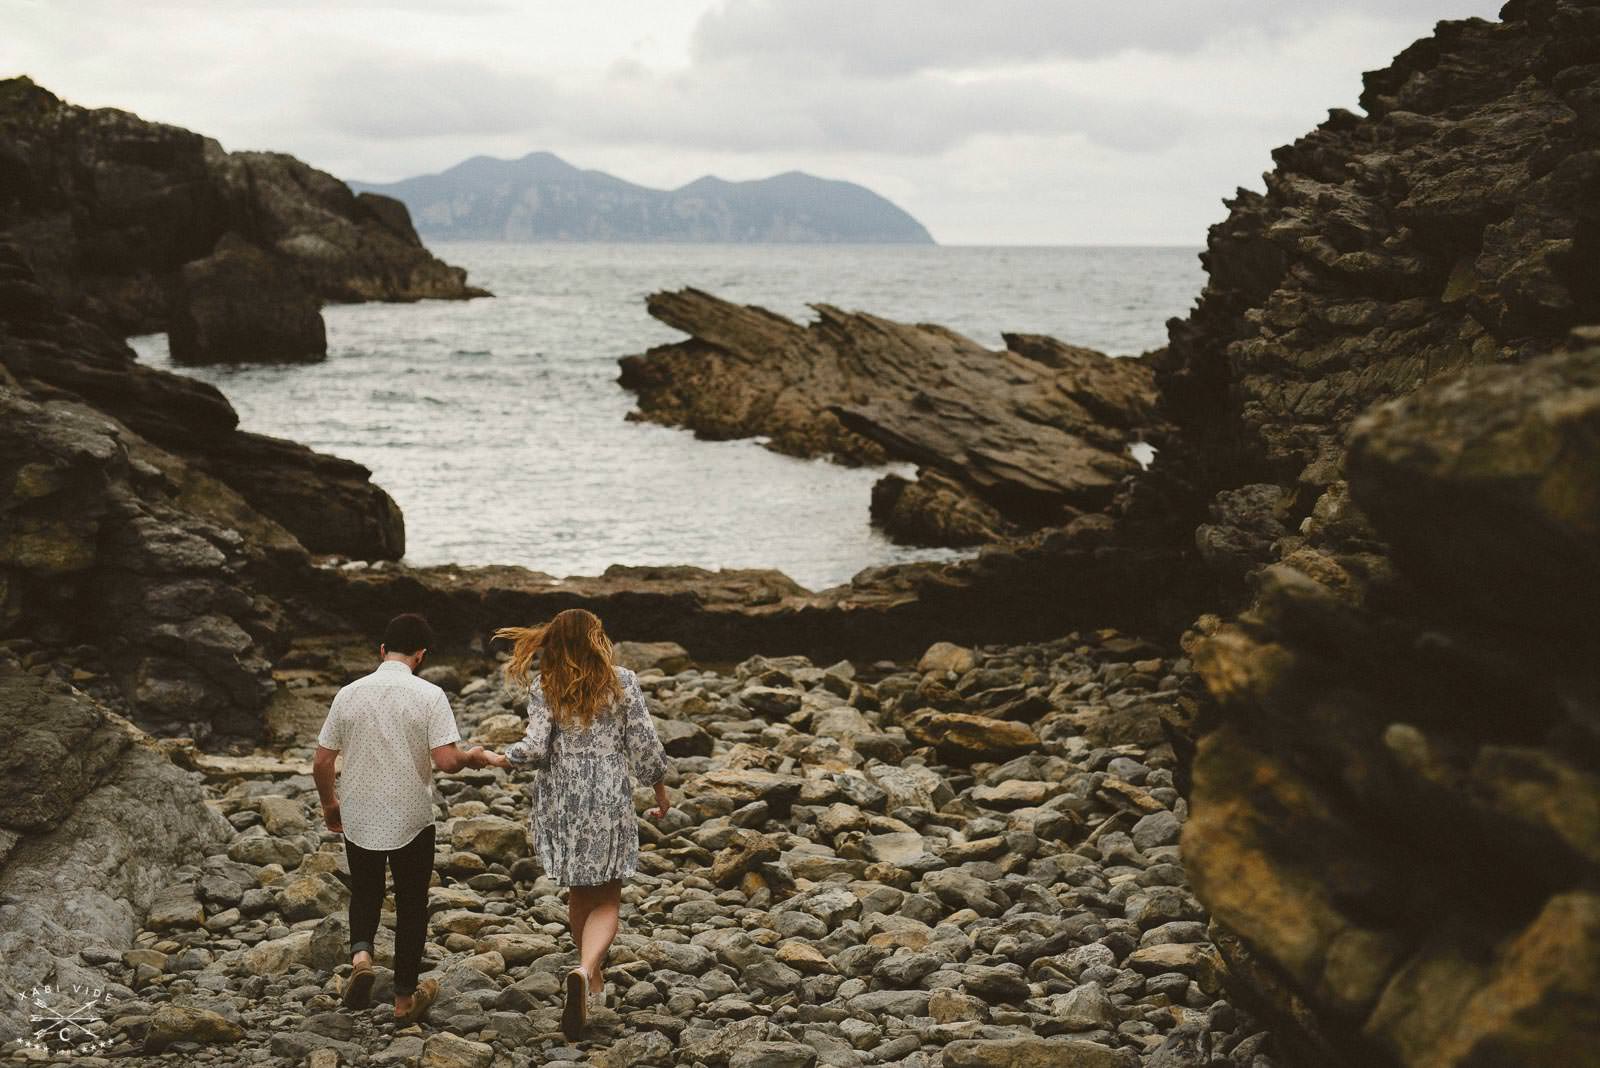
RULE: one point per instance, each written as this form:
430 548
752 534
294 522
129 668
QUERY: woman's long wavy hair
575 659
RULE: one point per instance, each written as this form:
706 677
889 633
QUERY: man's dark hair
407 634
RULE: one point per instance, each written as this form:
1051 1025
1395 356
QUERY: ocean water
498 425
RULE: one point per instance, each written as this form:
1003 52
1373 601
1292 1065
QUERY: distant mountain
541 197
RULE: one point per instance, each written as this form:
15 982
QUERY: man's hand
495 760
331 816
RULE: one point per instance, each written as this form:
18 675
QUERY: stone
282 816
774 1055
264 849
1156 829
942 657
669 657
1035 1053
964 738
1087 1008
175 908
494 838
304 897
178 1023
277 955
445 1050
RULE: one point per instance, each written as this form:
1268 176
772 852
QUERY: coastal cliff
1392 808
142 227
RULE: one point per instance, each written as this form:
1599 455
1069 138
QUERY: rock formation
139 227
94 822
1024 438
1393 804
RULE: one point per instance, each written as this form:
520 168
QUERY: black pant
412 865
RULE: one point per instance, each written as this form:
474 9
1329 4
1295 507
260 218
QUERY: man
393 729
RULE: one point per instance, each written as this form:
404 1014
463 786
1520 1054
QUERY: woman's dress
584 828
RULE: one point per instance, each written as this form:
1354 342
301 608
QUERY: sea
499 427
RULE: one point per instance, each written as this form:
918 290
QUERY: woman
588 730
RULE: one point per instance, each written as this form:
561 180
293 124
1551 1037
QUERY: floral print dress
584 828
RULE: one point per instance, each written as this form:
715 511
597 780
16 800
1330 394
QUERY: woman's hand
491 759
660 811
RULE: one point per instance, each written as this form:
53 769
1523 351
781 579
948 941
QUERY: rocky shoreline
1354 660
829 889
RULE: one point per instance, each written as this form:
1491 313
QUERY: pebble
826 891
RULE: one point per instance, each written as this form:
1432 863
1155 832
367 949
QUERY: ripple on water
499 427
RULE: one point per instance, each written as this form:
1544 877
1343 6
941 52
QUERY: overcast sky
992 121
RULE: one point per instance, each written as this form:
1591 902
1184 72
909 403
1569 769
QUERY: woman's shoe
575 1013
427 993
358 986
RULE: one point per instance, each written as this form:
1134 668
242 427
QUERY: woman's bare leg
578 905
599 929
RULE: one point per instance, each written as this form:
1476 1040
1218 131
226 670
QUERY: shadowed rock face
109 209
1401 813
94 824
1394 806
1033 434
1452 226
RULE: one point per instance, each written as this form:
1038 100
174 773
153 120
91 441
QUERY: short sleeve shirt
386 725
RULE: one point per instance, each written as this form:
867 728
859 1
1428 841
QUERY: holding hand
488 758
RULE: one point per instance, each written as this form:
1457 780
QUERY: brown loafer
575 1013
427 993
358 987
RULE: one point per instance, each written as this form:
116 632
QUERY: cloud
389 97
1013 120
743 109
894 37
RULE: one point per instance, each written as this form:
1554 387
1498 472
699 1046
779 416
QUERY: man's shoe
358 986
575 1013
427 993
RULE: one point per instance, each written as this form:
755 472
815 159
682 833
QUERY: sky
991 121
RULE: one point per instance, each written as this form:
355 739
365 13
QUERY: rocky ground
940 864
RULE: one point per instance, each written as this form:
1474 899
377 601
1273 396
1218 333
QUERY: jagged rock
1034 432
238 305
1450 696
110 207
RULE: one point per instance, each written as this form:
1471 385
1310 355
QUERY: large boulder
96 825
239 305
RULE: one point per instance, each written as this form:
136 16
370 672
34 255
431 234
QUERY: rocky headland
1326 796
143 227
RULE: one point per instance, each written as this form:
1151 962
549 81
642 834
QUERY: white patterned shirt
386 724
